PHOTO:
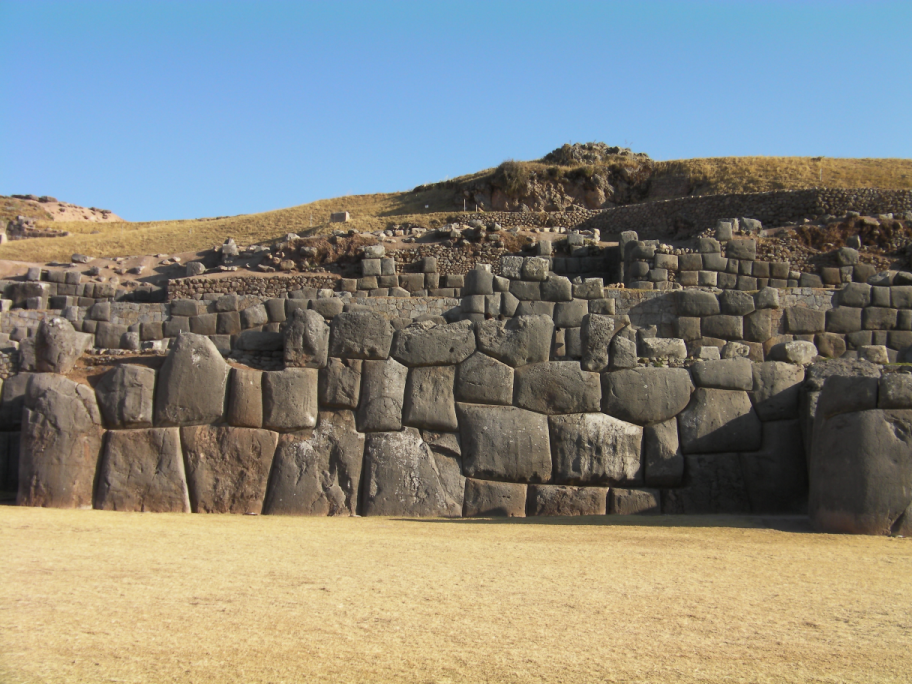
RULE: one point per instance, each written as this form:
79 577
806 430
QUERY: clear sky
160 110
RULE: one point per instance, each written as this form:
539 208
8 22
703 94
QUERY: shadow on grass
779 523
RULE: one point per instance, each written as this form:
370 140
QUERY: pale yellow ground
88 596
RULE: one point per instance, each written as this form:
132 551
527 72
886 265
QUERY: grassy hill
434 204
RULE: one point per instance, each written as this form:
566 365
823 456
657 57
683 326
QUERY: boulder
592 448
318 472
58 346
227 467
360 335
799 352
191 383
245 398
564 500
664 348
504 443
339 383
429 402
517 341
776 388
595 337
895 391
646 395
306 339
662 457
60 443
634 501
776 475
494 499
403 476
143 470
483 380
719 421
713 484
729 374
861 473
125 396
556 387
429 344
290 399
382 396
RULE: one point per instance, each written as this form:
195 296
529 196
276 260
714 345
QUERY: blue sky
161 110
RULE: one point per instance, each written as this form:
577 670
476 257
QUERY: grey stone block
481 379
339 383
646 395
802 320
382 396
245 398
843 319
876 318
494 499
592 448
662 457
518 341
556 387
504 443
719 421
525 290
429 402
561 500
290 399
723 327
360 335
776 389
714 484
736 303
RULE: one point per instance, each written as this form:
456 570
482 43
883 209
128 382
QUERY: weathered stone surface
646 395
429 344
191 383
403 476
776 475
664 348
306 339
483 380
58 346
259 341
843 319
718 421
570 314
340 383
318 472
429 402
742 249
109 335
623 353
360 335
290 399
776 388
878 318
61 442
758 326
227 467
504 443
13 400
478 282
556 387
557 289
125 396
595 337
697 303
382 396
536 268
799 352
565 500
767 298
855 295
662 457
723 327
634 501
328 307
143 470
525 290
484 499
245 398
895 391
736 303
518 341
592 448
713 484
830 345
802 320
861 472
730 374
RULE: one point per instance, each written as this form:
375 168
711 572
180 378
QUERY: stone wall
261 286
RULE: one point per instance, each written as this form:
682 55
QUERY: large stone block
564 500
339 384
854 295
227 467
429 402
646 395
776 475
290 399
58 346
382 396
662 457
403 476
741 249
634 501
518 341
697 303
722 327
483 380
109 335
478 282
427 343
318 472
719 421
758 326
736 303
306 339
802 320
570 314
484 499
245 398
557 289
504 443
776 388
191 383
730 374
843 319
895 391
713 484
360 335
877 318
595 337
556 387
592 448
125 396
143 470
623 353
861 472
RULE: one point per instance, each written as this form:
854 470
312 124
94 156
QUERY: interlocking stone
714 484
483 380
339 383
518 341
776 475
634 501
776 388
504 443
592 448
290 399
360 335
382 396
191 383
719 421
125 396
556 387
494 499
559 500
429 402
428 344
306 339
646 395
245 398
662 457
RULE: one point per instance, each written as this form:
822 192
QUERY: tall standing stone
382 396
191 383
306 337
504 443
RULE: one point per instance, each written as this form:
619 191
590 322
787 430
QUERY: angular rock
290 399
646 395
557 500
713 484
595 337
830 345
556 387
895 391
483 380
557 289
478 282
518 341
662 457
798 352
767 298
504 443
634 501
318 472
623 353
245 398
125 396
847 394
58 346
191 383
729 374
592 448
227 467
12 401
776 475
306 339
842 319
143 470
718 421
736 303
403 476
776 388
340 383
382 396
484 499
570 314
877 318
697 303
360 335
664 348
429 402
802 320
428 344
854 295
723 327
536 268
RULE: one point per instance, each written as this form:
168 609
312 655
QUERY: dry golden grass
89 596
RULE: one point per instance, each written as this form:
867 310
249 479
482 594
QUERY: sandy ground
89 596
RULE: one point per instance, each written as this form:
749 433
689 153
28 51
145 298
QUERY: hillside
435 204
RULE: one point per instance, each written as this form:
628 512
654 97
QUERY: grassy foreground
88 596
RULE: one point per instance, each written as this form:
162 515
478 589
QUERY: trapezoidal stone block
559 500
517 341
382 396
429 402
427 343
191 383
504 443
339 384
306 339
595 449
481 379
125 396
556 387
360 335
486 499
290 399
719 421
245 398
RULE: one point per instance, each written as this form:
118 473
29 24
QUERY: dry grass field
89 596
432 205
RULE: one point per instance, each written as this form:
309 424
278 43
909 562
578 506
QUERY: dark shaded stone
662 456
719 421
634 501
557 500
776 475
290 399
776 388
517 341
504 443
382 396
484 499
339 383
556 387
428 344
713 484
125 396
429 402
360 335
191 383
646 395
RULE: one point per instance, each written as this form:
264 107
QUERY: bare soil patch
90 596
